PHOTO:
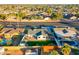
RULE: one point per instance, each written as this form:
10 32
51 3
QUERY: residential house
65 32
37 34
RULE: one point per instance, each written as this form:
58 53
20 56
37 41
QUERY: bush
1 27
26 31
66 49
40 43
76 51
54 52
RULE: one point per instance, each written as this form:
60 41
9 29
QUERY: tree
54 16
54 52
59 15
49 10
2 16
1 27
66 49
26 31
76 51
77 15
19 16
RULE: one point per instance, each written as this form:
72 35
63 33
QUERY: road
72 24
23 24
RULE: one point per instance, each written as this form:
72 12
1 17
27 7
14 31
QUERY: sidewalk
29 20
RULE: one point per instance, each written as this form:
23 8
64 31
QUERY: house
67 15
41 35
11 31
65 32
7 34
73 18
37 34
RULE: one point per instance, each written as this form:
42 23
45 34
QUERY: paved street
23 24
72 24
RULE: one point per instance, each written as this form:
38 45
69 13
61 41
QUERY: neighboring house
67 15
67 35
38 34
73 18
11 32
65 32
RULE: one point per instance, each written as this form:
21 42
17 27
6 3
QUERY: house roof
64 31
36 32
39 33
73 17
11 30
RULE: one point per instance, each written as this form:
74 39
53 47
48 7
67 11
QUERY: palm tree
19 16
1 27
3 17
49 10
66 49
17 19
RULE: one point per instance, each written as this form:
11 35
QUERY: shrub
26 31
